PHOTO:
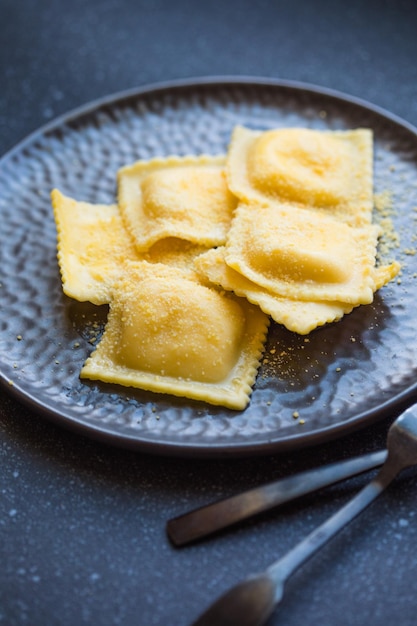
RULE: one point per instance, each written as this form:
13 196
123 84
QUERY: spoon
251 602
208 519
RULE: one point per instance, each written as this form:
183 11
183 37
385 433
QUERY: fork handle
214 517
282 569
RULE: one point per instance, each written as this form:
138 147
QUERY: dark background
82 535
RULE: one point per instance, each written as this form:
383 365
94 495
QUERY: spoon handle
282 569
213 517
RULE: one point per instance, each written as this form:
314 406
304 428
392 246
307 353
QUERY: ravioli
93 246
328 170
303 255
201 252
183 197
168 333
296 315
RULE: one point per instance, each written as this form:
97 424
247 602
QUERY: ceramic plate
308 390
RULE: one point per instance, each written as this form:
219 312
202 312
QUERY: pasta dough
170 334
93 246
187 198
296 315
304 255
329 170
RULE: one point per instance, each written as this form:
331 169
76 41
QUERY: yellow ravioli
186 197
296 315
329 170
93 246
168 333
303 255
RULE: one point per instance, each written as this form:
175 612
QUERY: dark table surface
82 524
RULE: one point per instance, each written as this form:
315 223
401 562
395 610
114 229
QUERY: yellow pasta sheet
296 315
182 197
328 170
303 254
168 333
93 246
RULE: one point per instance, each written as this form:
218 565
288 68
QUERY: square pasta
296 315
303 255
330 170
168 333
94 245
183 197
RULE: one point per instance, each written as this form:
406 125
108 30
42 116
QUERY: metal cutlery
251 602
214 517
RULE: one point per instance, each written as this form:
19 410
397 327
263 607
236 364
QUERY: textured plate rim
390 408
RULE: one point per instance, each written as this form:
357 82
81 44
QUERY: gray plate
342 377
